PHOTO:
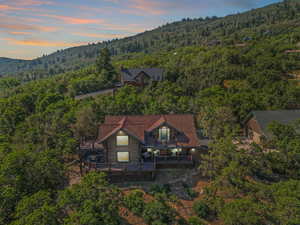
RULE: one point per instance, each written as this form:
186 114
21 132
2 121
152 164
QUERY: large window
164 134
123 156
122 139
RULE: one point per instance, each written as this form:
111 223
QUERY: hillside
219 78
6 62
253 25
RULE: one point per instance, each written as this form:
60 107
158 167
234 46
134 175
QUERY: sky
31 28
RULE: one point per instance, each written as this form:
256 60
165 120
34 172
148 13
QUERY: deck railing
130 167
176 158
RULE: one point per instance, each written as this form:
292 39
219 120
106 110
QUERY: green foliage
201 209
135 202
240 28
244 212
285 202
38 209
23 173
40 123
86 125
157 212
9 83
104 66
195 221
93 202
159 189
191 193
286 141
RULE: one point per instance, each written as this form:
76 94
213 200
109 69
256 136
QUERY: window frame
167 133
122 134
125 161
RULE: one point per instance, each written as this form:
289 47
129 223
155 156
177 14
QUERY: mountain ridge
210 31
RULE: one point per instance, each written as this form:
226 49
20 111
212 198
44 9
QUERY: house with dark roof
145 143
141 77
256 124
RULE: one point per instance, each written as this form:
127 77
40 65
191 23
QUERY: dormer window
122 139
164 134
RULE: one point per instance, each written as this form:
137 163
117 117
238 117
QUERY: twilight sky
31 28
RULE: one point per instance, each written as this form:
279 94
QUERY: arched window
164 134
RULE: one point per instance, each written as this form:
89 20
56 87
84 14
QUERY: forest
256 24
41 124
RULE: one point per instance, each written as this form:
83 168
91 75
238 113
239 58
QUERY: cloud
105 25
145 6
6 8
37 42
23 3
19 33
95 35
74 20
26 27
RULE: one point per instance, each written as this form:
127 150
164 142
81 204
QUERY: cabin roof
155 74
138 126
264 118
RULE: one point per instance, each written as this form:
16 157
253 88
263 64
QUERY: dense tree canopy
41 124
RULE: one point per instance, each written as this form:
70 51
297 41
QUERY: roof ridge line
123 121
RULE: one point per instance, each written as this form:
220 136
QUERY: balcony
179 159
119 167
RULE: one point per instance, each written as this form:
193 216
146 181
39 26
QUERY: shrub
244 212
156 188
156 212
135 202
201 209
194 220
191 193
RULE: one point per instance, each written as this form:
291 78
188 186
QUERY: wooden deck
187 160
132 167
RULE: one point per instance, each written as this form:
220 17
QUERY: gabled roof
264 118
139 126
155 74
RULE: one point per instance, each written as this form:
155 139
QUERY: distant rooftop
264 118
155 74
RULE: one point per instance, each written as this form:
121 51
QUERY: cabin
140 77
257 122
143 143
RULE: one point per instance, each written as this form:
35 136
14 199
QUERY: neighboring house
256 125
141 77
145 143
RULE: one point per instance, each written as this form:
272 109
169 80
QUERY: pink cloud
36 42
6 8
146 6
11 24
19 33
74 20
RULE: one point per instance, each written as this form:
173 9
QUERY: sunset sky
31 28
